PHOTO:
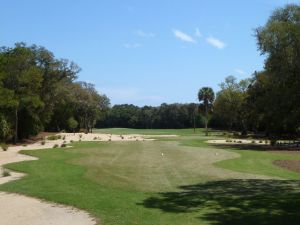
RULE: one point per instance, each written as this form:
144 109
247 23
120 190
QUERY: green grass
260 162
193 183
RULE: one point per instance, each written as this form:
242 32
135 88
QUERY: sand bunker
17 209
238 142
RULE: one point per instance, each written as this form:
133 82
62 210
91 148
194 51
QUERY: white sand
22 210
237 142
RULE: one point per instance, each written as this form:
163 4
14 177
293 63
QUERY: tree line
269 101
148 117
40 92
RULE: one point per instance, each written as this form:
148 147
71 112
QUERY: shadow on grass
235 202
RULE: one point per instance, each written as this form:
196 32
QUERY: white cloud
216 42
183 36
239 71
144 34
197 32
132 45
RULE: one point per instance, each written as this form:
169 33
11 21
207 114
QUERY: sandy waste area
22 210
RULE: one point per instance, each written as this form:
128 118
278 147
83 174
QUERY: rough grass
132 183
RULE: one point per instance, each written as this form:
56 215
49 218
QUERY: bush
43 142
63 145
80 135
72 123
95 138
64 137
55 146
4 128
5 173
54 137
4 147
253 141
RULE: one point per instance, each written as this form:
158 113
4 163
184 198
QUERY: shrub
64 137
72 123
4 147
260 141
80 135
43 142
95 138
63 145
5 173
54 137
253 142
71 141
273 142
4 128
55 146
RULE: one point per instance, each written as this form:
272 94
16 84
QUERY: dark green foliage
164 116
37 92
54 137
72 123
206 97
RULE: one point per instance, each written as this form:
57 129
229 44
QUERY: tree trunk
16 126
206 121
194 122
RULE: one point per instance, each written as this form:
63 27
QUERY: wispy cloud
132 45
216 42
144 34
183 36
239 71
197 32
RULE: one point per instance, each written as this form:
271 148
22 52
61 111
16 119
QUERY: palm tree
206 97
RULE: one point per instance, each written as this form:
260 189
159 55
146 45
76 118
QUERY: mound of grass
54 137
4 146
5 173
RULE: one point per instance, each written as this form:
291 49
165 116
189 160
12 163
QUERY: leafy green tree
229 105
22 80
206 97
72 123
279 86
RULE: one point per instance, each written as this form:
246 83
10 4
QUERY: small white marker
162 154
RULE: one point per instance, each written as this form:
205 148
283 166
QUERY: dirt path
18 209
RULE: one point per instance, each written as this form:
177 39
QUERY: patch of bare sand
238 142
292 165
21 210
18 209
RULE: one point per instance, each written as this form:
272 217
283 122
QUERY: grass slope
131 183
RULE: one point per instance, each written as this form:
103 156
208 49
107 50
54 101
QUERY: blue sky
144 52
